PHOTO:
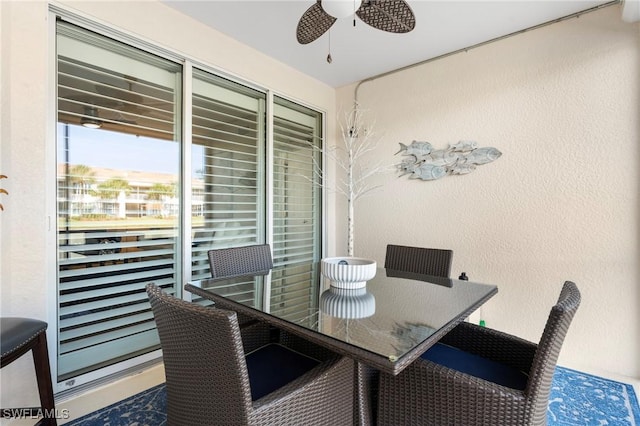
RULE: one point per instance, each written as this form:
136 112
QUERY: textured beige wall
27 245
23 282
562 203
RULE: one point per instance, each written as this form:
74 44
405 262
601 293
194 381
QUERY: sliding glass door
297 207
228 167
228 185
129 214
118 196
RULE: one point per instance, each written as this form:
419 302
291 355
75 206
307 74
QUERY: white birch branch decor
423 162
358 140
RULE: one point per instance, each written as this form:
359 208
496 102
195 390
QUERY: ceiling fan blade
105 115
126 96
313 23
394 16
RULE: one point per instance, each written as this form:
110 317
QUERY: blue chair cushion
476 365
273 366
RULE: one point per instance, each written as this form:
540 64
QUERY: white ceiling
360 52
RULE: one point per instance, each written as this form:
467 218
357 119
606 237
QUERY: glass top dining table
387 324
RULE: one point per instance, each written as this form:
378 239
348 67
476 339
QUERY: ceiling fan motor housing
394 16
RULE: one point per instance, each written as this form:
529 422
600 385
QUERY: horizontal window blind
228 184
114 86
118 198
296 209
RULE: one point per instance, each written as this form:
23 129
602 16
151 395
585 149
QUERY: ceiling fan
102 103
394 16
93 119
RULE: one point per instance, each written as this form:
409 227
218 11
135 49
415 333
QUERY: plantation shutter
297 143
228 180
118 205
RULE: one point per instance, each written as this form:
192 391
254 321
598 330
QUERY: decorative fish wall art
421 161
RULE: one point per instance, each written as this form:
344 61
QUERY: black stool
17 337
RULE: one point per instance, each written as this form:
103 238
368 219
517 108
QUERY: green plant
112 188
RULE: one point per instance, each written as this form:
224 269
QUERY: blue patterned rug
576 399
582 399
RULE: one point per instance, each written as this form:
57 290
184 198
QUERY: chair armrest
492 344
328 387
424 390
254 333
242 319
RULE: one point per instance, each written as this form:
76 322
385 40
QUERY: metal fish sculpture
417 149
442 158
407 166
429 171
483 155
464 146
462 169
422 162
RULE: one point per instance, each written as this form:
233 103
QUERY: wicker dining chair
250 261
211 380
236 262
480 376
240 261
428 261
